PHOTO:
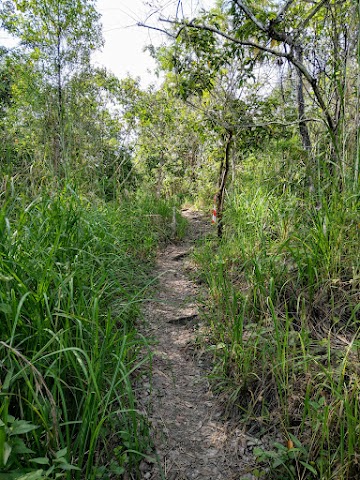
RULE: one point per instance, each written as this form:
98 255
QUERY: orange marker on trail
214 212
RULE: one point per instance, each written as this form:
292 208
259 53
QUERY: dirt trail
192 439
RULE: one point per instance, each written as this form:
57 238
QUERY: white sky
124 41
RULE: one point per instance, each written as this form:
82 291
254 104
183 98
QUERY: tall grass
284 324
73 273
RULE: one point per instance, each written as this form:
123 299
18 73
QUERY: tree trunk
160 176
303 128
59 134
223 173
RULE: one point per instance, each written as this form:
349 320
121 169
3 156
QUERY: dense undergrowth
285 320
73 274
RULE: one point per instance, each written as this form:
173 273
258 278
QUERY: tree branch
250 15
245 43
244 126
288 55
306 20
282 11
150 27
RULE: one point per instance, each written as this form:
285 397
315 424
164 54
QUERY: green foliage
199 58
56 29
291 462
57 39
168 141
72 277
5 85
74 264
284 315
17 461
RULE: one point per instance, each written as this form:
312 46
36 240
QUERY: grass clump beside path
285 323
72 275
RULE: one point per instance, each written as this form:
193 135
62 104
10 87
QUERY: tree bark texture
223 174
303 128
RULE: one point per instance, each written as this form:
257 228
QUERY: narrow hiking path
192 439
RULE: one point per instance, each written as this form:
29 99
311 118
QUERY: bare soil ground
192 438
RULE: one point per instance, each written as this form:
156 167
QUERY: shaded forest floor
192 436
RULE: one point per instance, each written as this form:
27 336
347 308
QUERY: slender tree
59 36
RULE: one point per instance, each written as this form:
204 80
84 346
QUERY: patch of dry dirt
191 437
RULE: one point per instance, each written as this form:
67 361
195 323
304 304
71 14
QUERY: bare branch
250 15
306 20
246 43
280 123
150 27
283 10
269 29
245 126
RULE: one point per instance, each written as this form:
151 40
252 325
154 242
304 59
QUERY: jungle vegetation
258 107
